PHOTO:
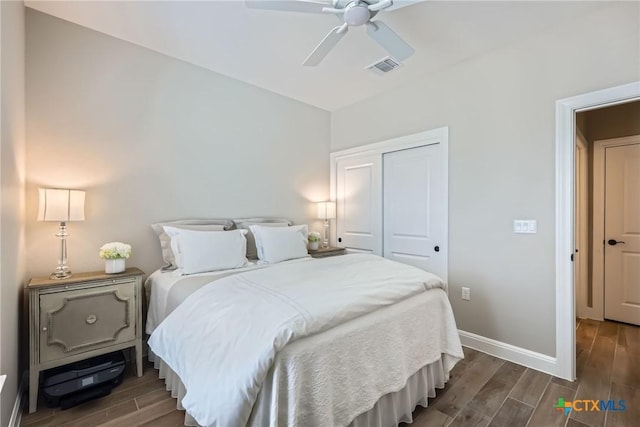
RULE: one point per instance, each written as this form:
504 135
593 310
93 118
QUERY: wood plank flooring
486 391
482 391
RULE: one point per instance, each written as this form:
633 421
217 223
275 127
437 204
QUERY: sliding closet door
359 203
413 208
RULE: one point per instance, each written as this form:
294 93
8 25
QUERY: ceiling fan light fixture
356 14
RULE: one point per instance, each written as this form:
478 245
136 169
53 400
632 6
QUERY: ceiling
266 48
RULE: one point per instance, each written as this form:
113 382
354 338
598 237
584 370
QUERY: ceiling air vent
384 65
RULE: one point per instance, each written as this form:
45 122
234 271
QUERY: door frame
434 136
582 227
565 213
598 285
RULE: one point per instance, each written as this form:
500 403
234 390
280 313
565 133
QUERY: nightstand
83 316
325 252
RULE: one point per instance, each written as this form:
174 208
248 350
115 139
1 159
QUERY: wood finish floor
483 391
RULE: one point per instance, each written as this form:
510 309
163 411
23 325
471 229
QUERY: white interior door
622 233
413 208
359 204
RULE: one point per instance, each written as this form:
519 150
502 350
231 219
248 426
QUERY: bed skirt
390 410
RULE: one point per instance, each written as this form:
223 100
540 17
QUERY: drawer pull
91 319
44 329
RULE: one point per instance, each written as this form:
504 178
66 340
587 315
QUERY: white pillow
275 244
200 251
245 223
190 224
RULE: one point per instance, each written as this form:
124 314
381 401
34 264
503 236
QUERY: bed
351 340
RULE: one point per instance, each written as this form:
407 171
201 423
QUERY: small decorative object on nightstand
325 252
80 317
314 241
114 255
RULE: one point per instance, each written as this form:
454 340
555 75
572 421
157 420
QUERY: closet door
413 208
359 203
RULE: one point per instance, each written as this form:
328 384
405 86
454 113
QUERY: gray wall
12 176
152 138
500 109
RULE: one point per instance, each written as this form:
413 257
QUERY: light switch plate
525 226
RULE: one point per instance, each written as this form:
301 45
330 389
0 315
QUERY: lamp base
61 272
325 239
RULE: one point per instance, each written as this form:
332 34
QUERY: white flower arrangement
115 250
314 236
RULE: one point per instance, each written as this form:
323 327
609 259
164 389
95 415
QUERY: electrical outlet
466 294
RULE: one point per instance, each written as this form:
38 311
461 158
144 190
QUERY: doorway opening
566 219
608 213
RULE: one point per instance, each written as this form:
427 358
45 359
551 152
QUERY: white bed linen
331 378
390 410
167 289
345 288
301 381
159 284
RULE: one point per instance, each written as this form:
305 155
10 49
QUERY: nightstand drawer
76 321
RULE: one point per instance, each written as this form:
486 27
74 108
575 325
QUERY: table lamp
326 211
61 206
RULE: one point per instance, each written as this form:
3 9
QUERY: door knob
614 242
437 249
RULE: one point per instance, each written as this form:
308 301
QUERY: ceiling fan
353 13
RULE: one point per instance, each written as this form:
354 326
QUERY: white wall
500 109
12 183
152 138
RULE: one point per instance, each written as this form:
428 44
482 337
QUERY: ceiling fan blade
328 42
307 6
381 33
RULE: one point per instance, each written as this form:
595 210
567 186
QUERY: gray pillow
188 224
245 223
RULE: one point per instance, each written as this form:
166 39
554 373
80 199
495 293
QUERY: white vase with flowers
314 241
114 255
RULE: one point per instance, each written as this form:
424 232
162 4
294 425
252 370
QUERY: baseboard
16 413
519 355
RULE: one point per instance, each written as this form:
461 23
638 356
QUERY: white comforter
223 339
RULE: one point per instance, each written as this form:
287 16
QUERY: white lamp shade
60 205
326 210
